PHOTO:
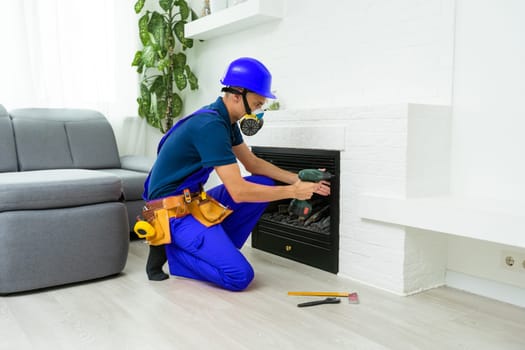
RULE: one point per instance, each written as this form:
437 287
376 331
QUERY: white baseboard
487 288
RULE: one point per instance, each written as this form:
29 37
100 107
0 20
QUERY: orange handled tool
352 297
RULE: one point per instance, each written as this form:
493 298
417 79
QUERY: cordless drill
303 208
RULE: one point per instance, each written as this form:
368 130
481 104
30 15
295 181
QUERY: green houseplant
162 63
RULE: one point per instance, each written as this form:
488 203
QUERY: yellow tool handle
320 294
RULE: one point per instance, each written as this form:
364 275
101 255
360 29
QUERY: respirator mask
252 121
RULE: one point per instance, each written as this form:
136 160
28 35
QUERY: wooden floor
130 312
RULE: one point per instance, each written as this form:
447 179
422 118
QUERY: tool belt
155 227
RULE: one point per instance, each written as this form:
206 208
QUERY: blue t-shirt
204 140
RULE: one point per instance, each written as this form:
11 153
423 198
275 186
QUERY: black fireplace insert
313 240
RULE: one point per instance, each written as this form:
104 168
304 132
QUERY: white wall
488 109
342 53
488 125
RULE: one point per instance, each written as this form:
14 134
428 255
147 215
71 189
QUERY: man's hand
323 188
318 176
304 190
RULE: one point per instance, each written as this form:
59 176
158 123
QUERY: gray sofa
67 200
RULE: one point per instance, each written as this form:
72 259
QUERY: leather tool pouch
158 216
208 211
162 227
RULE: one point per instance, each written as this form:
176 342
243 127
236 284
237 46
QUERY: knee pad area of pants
240 279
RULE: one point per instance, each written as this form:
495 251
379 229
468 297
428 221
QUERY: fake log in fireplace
313 240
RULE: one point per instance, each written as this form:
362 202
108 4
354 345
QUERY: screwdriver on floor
320 302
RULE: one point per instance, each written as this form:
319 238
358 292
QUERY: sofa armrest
137 163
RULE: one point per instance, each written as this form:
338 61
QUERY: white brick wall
374 146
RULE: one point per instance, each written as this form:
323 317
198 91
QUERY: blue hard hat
250 74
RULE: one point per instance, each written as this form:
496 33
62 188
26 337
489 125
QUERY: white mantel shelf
490 220
242 16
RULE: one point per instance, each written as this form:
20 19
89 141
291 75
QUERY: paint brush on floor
353 298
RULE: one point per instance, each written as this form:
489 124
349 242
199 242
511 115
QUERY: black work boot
156 259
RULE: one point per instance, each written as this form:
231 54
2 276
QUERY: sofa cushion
46 189
41 144
93 144
51 138
132 182
7 143
44 248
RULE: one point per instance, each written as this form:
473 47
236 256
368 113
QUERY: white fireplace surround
396 210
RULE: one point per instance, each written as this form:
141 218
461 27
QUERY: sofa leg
156 259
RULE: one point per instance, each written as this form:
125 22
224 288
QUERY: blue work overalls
212 253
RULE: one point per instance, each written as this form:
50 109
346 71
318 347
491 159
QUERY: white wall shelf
239 17
490 220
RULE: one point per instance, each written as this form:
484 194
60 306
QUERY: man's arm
244 191
256 165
